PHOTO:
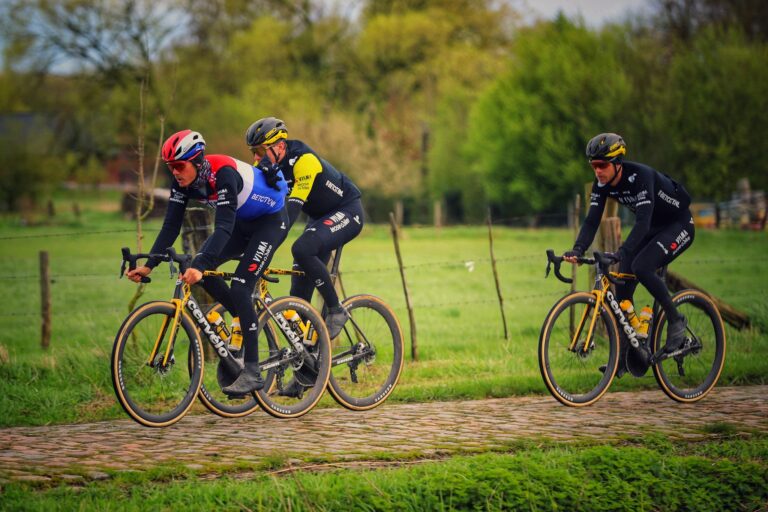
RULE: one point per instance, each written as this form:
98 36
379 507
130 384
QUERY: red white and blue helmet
183 146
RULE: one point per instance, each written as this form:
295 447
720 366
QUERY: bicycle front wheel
689 376
367 355
578 352
295 377
211 395
154 384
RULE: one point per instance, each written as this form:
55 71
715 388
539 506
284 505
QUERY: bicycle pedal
236 397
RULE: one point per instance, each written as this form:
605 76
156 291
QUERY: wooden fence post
45 300
496 277
412 320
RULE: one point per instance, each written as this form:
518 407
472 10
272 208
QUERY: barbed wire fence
46 279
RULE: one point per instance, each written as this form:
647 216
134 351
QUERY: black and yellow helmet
265 131
606 146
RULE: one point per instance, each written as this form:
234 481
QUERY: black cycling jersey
655 198
314 185
227 181
236 192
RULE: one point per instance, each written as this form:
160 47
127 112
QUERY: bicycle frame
603 293
182 298
264 298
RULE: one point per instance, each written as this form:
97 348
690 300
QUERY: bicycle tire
210 393
703 365
282 372
572 375
152 395
373 326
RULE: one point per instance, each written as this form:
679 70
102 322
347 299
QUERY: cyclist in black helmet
328 197
663 224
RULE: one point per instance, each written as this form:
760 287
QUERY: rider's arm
305 171
174 216
226 209
294 209
592 221
643 215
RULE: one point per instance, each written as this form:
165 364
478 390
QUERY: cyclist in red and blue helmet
250 220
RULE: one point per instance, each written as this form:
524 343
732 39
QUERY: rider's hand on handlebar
136 274
570 256
192 276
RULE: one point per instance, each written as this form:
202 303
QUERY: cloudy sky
595 12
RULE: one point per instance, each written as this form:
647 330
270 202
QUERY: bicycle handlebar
603 261
184 260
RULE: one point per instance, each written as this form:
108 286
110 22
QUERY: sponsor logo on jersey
662 247
633 177
263 199
333 187
682 239
340 225
671 200
177 197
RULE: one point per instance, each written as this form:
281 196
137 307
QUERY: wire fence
458 300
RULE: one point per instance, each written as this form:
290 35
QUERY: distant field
462 352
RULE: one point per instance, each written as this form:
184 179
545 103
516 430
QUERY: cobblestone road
92 450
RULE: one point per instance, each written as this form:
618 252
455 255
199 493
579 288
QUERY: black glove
271 174
573 253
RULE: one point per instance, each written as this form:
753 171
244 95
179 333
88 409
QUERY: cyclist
330 200
250 220
663 224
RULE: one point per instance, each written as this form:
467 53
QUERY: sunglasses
259 151
599 164
177 166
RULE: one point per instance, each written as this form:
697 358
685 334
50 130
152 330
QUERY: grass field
649 474
462 352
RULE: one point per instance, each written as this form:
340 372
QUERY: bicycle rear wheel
306 370
367 355
154 392
690 376
571 353
210 392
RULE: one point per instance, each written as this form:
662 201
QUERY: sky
595 12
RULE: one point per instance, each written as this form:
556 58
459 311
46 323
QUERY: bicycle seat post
336 262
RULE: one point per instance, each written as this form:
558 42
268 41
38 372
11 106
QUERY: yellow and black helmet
606 146
265 131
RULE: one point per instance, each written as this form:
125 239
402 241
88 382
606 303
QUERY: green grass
462 352
652 474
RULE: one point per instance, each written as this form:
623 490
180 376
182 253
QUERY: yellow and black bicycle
366 357
156 391
586 336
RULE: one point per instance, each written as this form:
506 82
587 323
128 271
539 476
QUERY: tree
527 132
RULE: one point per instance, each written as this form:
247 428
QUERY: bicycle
579 356
155 392
367 357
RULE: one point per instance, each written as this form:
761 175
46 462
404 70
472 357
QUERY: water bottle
646 313
629 309
306 330
236 341
217 322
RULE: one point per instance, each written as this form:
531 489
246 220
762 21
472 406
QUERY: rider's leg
312 250
661 250
216 286
266 235
303 286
